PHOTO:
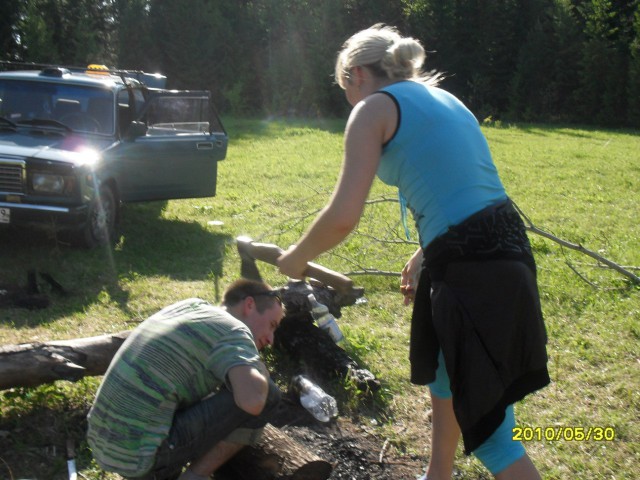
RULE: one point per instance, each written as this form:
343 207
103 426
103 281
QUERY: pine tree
634 72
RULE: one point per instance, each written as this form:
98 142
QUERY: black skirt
478 302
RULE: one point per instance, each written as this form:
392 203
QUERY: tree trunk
32 364
276 456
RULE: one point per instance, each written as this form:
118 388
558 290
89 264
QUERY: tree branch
573 246
360 270
372 271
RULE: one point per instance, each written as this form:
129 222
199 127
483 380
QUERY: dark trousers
198 428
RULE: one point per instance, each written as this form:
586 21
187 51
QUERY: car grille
11 177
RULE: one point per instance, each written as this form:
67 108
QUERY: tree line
570 61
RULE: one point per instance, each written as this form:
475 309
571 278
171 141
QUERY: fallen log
275 456
32 364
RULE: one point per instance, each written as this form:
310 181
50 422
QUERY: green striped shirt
170 361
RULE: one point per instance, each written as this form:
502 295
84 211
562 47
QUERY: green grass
579 184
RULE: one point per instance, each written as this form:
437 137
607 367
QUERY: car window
178 115
125 111
139 99
83 109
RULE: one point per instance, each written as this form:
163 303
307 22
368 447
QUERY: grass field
581 185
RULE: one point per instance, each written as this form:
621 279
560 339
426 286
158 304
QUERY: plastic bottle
315 400
324 319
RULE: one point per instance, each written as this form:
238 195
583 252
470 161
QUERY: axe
251 251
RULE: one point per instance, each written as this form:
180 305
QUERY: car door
172 149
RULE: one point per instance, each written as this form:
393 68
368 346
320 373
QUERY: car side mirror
136 129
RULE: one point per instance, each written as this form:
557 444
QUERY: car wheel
101 221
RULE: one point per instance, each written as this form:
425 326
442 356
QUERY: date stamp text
562 433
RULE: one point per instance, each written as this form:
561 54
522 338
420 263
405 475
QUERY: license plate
5 215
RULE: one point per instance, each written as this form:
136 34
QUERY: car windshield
83 109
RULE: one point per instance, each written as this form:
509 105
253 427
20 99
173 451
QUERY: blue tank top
438 158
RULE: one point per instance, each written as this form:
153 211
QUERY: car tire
100 228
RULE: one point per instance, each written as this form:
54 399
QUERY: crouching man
188 387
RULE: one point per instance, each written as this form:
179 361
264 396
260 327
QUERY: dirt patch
355 454
32 446
354 450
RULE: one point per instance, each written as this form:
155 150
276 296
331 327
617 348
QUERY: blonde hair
386 53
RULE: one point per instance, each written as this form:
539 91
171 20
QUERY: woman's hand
411 276
291 265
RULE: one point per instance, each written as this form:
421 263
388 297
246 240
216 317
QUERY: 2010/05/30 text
569 434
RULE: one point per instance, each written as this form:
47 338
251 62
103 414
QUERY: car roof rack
152 80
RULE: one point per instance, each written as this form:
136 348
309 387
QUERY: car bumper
29 215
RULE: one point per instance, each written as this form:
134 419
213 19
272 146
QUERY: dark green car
75 144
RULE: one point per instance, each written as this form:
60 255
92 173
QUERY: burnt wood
312 348
275 456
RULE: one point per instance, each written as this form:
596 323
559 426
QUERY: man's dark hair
262 293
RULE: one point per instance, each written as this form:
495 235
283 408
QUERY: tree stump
276 456
310 346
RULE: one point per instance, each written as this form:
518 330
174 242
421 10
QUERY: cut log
275 456
32 364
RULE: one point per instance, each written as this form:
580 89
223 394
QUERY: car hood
70 148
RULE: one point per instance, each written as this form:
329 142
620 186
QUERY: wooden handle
269 253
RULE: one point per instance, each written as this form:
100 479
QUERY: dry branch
573 246
603 262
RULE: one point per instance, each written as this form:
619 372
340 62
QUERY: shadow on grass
36 425
147 246
565 129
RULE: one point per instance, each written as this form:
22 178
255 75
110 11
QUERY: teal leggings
499 450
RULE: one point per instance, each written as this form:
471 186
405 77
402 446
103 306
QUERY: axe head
269 253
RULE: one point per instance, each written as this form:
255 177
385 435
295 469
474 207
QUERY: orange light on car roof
96 69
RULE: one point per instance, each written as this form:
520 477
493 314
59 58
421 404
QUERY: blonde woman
477 335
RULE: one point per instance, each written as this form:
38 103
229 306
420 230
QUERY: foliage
543 86
634 73
543 60
73 32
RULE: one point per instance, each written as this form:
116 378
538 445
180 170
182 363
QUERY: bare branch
296 221
360 270
382 199
599 265
372 271
532 228
585 279
399 241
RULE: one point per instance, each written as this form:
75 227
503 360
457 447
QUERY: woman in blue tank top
477 335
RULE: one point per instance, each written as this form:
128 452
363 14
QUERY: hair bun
387 53
403 57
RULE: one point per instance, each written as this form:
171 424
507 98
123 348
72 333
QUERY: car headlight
48 183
